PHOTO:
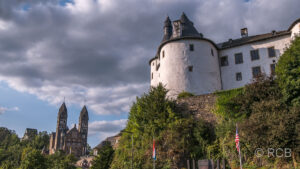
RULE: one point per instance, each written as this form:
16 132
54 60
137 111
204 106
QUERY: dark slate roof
168 29
293 24
168 22
250 39
188 28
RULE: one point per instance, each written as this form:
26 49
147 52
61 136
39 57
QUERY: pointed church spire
63 109
84 112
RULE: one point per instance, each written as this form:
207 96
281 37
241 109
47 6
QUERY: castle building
29 134
188 61
72 141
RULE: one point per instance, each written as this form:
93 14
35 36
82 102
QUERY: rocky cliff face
201 107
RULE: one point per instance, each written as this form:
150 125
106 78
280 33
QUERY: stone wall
200 106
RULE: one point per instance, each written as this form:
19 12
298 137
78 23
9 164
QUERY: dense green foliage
288 72
177 136
104 158
27 154
265 121
185 95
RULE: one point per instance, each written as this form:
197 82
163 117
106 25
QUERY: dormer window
191 47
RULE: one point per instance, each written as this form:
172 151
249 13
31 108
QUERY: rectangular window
254 54
224 61
271 52
212 52
190 68
238 58
191 47
238 76
163 53
272 68
256 71
151 75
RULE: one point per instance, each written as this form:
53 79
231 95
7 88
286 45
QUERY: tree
104 158
177 136
288 73
33 159
265 121
60 160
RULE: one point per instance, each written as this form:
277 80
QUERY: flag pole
155 153
240 156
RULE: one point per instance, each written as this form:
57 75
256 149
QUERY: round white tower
185 61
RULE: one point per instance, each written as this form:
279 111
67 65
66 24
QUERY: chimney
244 32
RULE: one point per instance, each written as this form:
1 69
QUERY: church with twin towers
73 141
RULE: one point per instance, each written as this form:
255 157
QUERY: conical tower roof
184 18
168 22
187 27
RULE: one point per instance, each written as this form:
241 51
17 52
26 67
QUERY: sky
96 52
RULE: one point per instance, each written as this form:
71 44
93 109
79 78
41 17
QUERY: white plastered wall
174 68
228 73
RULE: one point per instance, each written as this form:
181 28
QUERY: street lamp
131 146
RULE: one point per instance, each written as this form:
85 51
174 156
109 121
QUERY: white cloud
5 109
98 51
104 129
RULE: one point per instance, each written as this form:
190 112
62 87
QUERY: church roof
250 39
74 129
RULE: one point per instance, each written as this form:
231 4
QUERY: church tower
61 127
83 127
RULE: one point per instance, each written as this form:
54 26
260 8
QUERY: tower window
238 76
271 51
256 71
163 54
191 47
272 68
238 58
151 75
212 52
254 54
224 61
190 68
